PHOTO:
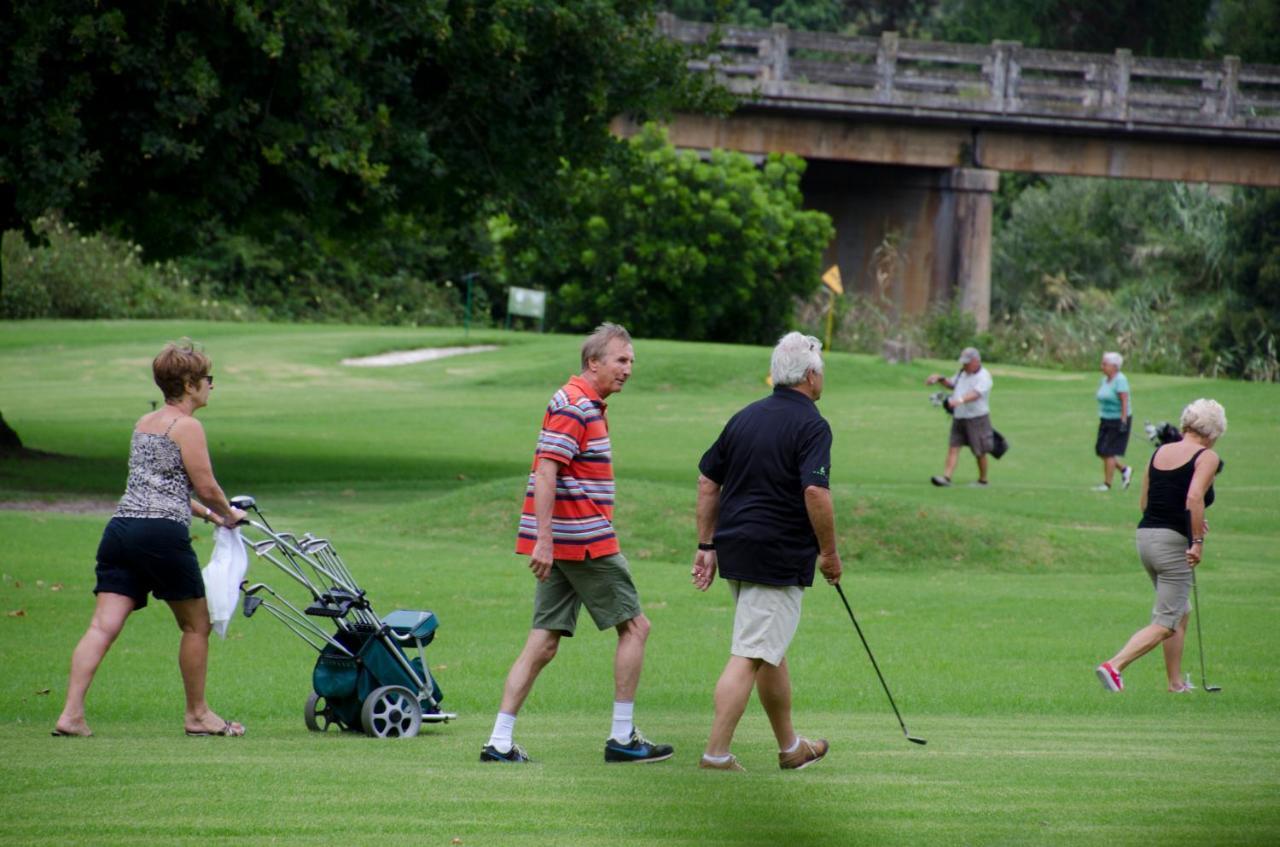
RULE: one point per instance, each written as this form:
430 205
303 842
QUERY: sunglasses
209 378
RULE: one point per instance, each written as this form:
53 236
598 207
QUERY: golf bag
364 677
1164 433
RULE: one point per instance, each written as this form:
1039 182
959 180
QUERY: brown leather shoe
806 753
731 765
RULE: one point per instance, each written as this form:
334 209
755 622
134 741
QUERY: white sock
718 760
795 745
503 728
622 721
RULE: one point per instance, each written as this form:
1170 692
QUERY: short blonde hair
179 364
1205 417
597 342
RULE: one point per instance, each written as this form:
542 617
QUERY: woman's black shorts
1111 441
140 555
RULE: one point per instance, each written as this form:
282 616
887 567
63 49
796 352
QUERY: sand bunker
412 357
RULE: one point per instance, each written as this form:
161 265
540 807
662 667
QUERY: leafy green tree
1082 230
865 17
1248 331
172 122
1249 29
674 246
820 15
1169 28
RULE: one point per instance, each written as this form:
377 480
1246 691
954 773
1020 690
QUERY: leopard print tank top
158 485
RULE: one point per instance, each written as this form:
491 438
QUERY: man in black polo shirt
764 515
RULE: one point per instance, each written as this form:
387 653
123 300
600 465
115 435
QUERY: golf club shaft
1199 638
871 656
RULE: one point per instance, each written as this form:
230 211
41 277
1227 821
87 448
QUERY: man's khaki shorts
603 585
765 619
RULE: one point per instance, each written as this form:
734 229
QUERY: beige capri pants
1164 555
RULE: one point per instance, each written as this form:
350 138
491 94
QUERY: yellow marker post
831 279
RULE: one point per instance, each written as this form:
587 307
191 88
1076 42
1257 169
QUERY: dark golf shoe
638 749
514 755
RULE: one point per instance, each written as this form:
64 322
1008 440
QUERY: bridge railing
1001 80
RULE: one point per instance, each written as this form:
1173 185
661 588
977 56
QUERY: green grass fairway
987 610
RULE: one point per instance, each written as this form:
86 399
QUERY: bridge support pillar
910 237
973 189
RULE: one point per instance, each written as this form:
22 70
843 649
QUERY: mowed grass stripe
980 780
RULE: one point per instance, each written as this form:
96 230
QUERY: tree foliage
1082 229
1249 323
675 246
1168 28
820 15
174 121
1249 29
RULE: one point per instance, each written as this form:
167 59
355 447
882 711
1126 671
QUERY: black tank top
1167 496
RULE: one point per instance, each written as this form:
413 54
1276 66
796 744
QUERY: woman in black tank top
1176 490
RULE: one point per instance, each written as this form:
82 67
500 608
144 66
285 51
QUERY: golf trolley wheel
391 711
317 714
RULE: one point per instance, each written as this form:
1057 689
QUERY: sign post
469 278
831 279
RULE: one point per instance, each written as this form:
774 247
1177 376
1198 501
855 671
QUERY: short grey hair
1205 417
598 341
1111 358
795 355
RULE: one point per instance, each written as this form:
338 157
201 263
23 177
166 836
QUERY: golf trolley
363 678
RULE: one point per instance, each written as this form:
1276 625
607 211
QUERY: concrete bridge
905 139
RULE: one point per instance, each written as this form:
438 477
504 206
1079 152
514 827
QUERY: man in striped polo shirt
566 529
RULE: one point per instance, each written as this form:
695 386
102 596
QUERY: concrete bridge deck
1000 106
906 139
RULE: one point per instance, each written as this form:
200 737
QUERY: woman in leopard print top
146 546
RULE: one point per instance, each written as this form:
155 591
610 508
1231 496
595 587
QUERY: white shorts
765 619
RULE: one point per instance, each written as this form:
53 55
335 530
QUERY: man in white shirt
971 422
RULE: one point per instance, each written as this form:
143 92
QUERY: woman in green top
1115 413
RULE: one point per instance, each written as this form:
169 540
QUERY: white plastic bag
223 575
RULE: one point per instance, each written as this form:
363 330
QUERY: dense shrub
1157 330
1247 331
96 276
296 276
1086 229
673 245
1180 278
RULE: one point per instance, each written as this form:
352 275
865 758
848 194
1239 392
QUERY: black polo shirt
765 458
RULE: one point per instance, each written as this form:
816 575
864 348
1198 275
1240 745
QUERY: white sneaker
1126 476
1103 487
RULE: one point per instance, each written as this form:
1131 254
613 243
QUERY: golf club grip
872 657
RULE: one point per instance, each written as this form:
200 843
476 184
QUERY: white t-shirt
967 383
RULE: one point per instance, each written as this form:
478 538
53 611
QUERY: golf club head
243 502
1213 689
251 605
915 740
